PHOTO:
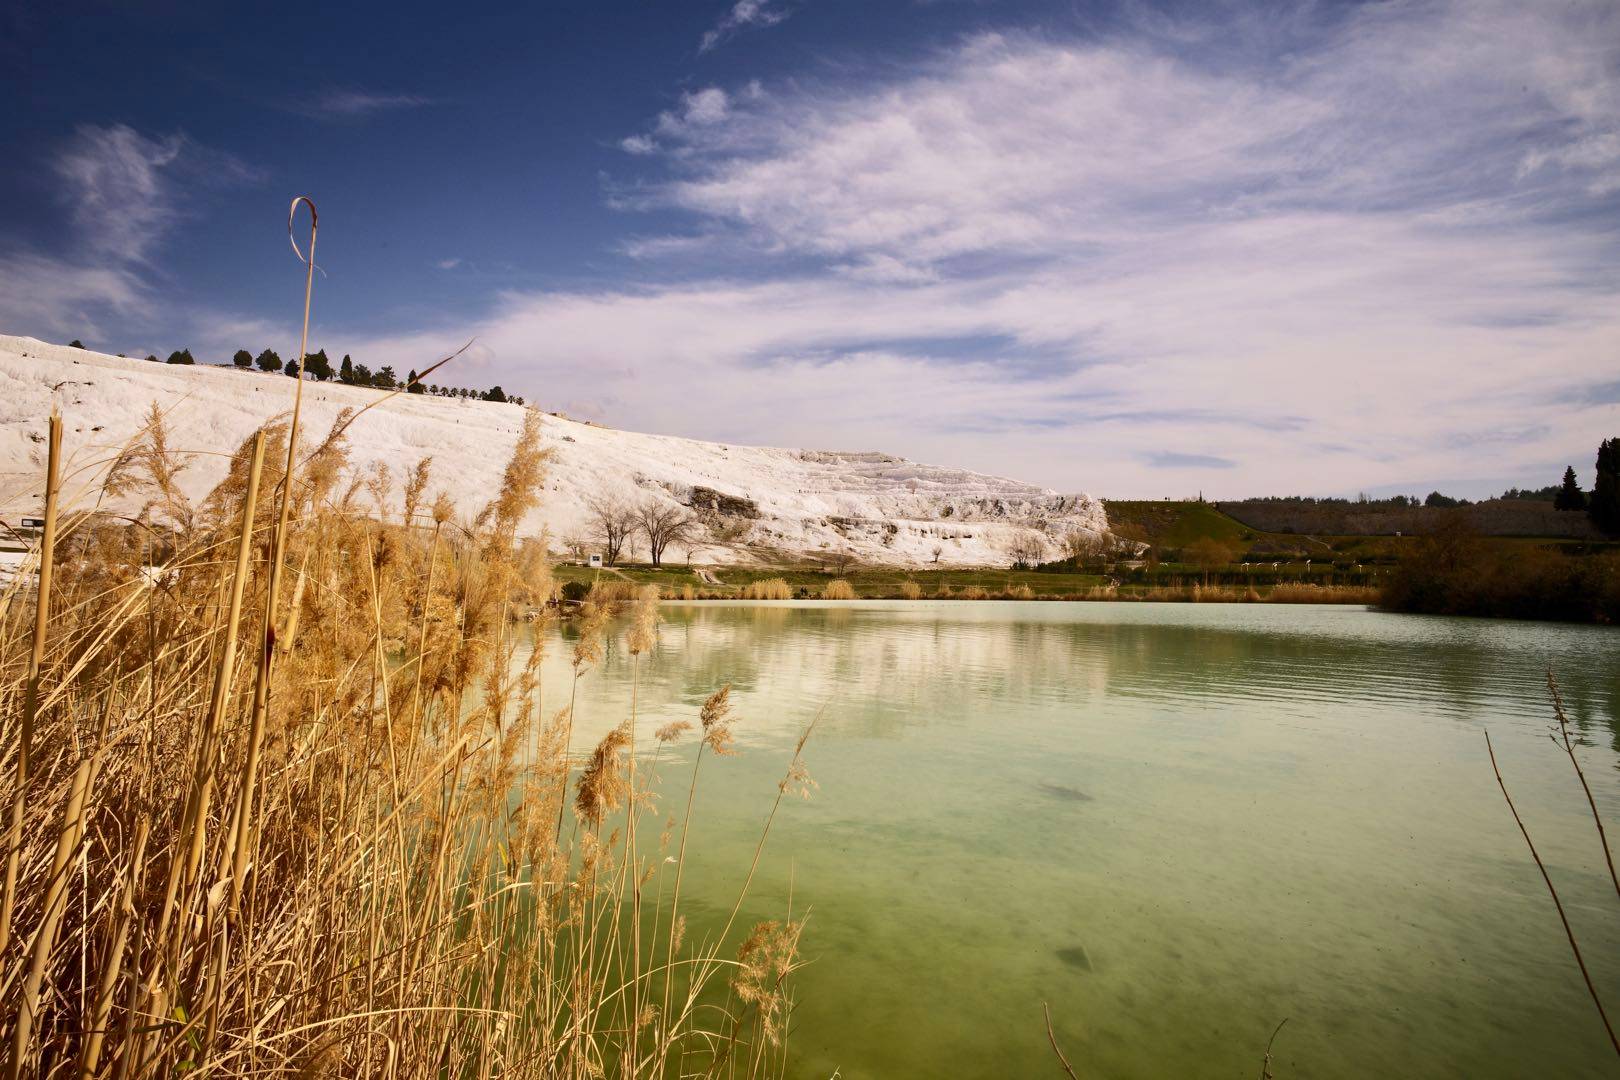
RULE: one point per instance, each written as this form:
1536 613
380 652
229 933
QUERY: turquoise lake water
1176 824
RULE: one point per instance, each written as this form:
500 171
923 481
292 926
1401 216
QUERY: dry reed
325 837
767 589
838 589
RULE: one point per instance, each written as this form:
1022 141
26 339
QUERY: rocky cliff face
754 503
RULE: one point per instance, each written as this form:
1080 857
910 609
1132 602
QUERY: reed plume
361 868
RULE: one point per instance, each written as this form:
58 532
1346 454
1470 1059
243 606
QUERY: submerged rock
1064 792
1076 957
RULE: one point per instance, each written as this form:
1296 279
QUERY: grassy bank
284 796
1170 585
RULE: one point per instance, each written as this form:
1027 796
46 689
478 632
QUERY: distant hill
758 503
1493 517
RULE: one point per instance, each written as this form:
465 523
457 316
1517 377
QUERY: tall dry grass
1302 593
838 589
334 835
767 589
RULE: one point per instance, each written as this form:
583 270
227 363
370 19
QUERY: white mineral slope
805 504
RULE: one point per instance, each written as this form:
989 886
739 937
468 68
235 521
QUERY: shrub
910 590
838 589
613 593
1453 572
767 589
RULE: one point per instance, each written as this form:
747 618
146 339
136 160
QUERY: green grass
1174 524
868 581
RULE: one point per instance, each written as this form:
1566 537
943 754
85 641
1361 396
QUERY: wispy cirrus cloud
122 188
124 193
743 15
1171 460
349 103
1384 224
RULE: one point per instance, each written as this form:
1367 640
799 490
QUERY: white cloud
340 103
448 264
60 299
1345 256
124 194
743 15
116 186
701 109
1089 263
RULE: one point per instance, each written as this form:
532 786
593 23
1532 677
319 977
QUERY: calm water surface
1177 824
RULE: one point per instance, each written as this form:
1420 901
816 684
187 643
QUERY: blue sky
1132 249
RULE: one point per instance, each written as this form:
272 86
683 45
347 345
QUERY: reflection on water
1177 824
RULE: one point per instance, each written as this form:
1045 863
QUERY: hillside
1492 517
1171 523
759 504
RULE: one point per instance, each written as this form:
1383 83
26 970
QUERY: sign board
33 523
596 561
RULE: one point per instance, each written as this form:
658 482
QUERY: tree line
318 366
1602 503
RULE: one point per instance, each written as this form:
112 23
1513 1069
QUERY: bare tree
662 524
839 562
1080 545
939 549
577 544
611 521
1027 549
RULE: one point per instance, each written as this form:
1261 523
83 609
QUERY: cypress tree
1604 506
346 370
1570 496
268 361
